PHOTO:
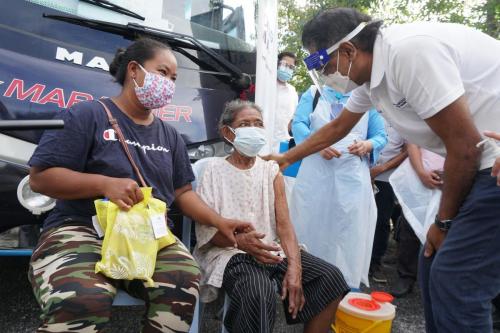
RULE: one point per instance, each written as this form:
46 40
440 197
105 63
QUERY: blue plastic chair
16 252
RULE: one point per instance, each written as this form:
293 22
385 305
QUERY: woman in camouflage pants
85 161
75 299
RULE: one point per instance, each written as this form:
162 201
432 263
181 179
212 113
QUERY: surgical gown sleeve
301 121
376 134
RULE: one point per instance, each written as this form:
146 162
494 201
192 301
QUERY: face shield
317 61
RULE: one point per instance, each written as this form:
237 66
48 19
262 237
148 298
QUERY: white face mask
249 141
339 82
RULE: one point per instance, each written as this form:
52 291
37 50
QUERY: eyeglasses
321 57
285 64
257 123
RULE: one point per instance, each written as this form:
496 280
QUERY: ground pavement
19 311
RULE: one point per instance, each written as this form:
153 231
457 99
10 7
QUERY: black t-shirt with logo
88 144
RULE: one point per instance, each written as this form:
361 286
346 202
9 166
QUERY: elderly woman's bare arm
193 206
251 243
284 227
292 283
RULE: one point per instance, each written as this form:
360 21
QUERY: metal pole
14 125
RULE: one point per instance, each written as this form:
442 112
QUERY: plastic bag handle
114 123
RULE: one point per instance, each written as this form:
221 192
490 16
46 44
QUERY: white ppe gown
333 208
419 203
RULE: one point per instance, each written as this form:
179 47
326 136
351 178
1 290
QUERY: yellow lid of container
363 306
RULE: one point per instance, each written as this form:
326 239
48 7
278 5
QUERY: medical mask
284 73
339 82
249 141
156 92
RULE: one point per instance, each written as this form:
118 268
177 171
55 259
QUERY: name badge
159 225
97 227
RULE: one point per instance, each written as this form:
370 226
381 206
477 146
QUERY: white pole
267 53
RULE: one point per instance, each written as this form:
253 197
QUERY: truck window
222 24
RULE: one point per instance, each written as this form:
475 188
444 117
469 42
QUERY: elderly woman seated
265 260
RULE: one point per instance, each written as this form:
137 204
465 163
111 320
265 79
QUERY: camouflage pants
74 298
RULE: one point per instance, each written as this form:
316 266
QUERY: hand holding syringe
360 148
491 137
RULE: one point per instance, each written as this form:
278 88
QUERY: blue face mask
249 141
284 73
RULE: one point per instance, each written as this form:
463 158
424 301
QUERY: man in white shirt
286 98
438 85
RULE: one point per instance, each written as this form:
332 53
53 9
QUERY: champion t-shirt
88 144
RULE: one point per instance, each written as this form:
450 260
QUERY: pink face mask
156 92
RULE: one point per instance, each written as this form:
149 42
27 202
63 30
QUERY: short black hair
283 54
141 51
329 26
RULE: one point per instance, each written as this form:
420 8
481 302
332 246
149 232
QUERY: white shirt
420 68
286 103
395 143
246 195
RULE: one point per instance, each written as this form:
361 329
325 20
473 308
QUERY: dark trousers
408 250
386 201
252 288
461 279
396 214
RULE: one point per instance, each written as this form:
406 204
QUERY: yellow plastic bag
129 248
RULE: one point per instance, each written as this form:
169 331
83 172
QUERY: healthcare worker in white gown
332 207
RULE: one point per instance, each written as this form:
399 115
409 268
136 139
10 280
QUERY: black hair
331 25
141 51
287 54
232 108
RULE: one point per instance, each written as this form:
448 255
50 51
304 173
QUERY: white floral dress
246 195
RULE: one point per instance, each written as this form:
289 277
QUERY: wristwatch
444 225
